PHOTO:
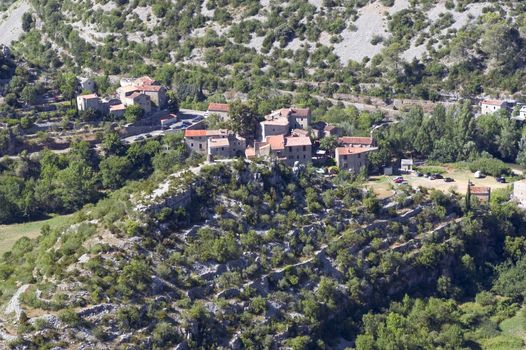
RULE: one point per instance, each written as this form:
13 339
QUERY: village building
197 140
297 149
226 147
140 99
491 106
322 129
279 126
220 109
356 141
90 101
406 165
118 110
482 193
352 159
522 113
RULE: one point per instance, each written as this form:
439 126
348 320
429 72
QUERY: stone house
492 106
138 98
220 109
519 193
279 126
90 101
352 158
482 193
297 149
118 110
197 140
356 141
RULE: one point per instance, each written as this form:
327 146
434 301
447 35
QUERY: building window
345 157
359 156
304 148
200 146
192 144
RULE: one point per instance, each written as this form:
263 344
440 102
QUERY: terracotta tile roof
492 102
145 80
329 127
119 107
135 95
149 88
480 190
218 107
250 152
298 141
277 142
299 132
348 140
295 112
217 132
128 88
88 97
351 150
194 133
278 121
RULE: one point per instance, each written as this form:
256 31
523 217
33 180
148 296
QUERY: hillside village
262 175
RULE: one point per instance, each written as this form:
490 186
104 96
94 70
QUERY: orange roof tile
492 102
221 142
354 140
352 150
277 142
480 190
297 141
193 133
218 107
88 97
149 88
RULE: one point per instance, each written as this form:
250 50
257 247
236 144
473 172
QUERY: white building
491 106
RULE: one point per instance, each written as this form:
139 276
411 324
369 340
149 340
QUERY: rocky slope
253 256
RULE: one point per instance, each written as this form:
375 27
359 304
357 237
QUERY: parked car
432 177
148 136
448 179
438 176
501 179
399 180
140 138
419 174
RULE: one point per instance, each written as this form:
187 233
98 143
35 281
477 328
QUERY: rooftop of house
221 142
119 107
88 97
137 94
282 121
203 132
295 112
329 127
145 80
127 88
351 150
492 102
250 152
277 142
355 140
480 190
299 132
297 141
218 107
149 88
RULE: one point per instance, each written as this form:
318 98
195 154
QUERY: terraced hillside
251 256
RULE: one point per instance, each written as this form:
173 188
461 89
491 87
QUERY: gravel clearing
11 22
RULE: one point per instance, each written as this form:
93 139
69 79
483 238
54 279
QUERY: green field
9 234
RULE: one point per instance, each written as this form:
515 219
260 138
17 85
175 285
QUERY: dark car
432 177
438 176
448 179
501 180
419 174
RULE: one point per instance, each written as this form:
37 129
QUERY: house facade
482 193
90 101
197 140
297 149
352 159
492 106
278 126
220 109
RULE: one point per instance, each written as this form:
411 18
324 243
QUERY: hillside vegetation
411 48
260 257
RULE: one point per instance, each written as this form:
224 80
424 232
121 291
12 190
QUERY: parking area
384 186
459 181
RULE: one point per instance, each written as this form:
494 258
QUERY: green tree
243 118
133 113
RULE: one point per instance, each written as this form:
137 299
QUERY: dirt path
13 306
